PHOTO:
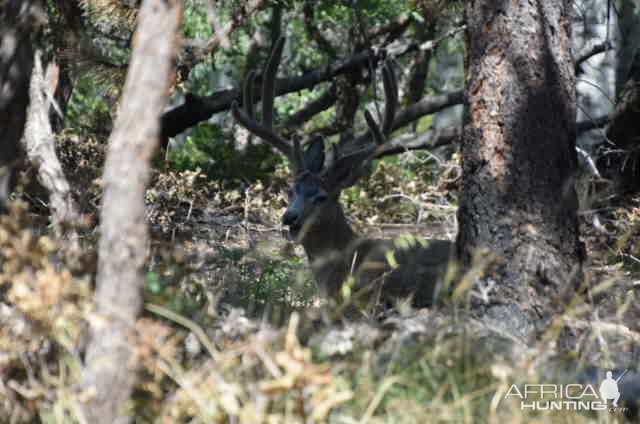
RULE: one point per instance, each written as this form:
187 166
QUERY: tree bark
110 364
40 145
18 21
518 152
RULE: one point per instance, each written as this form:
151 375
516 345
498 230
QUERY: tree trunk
18 20
518 153
110 364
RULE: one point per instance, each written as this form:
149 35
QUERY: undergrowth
231 333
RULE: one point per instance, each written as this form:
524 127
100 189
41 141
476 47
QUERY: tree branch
324 102
590 50
205 107
197 109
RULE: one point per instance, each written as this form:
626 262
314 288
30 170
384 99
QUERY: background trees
215 194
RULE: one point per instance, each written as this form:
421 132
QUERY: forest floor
255 280
234 331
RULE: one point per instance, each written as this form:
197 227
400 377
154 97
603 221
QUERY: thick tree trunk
110 364
18 19
519 158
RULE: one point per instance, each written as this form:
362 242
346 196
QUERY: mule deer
316 218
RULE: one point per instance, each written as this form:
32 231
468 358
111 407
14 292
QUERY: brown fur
336 252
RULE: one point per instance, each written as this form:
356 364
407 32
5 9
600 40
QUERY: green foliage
400 189
271 281
88 111
208 148
195 22
163 289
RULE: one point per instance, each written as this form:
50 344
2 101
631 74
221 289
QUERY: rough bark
40 146
18 20
519 159
110 365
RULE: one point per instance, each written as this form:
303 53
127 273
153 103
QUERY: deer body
336 252
316 219
419 273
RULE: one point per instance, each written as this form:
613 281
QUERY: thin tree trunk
110 370
40 145
519 158
18 21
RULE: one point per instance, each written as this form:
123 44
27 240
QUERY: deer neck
333 235
328 246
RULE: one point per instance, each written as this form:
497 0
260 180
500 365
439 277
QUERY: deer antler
351 165
346 170
246 117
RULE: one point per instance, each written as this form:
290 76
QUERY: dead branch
39 142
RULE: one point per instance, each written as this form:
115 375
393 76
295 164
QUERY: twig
592 49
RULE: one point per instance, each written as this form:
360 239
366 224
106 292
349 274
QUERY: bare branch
590 124
198 50
427 140
590 50
324 102
39 142
427 106
392 30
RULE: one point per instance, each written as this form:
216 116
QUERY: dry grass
232 331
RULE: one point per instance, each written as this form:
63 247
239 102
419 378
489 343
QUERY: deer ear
314 156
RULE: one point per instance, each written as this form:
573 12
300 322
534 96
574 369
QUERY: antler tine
269 83
391 97
391 104
336 151
298 164
260 130
346 170
246 116
378 136
247 94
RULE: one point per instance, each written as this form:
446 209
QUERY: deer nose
289 218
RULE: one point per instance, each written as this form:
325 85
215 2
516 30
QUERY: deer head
314 196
